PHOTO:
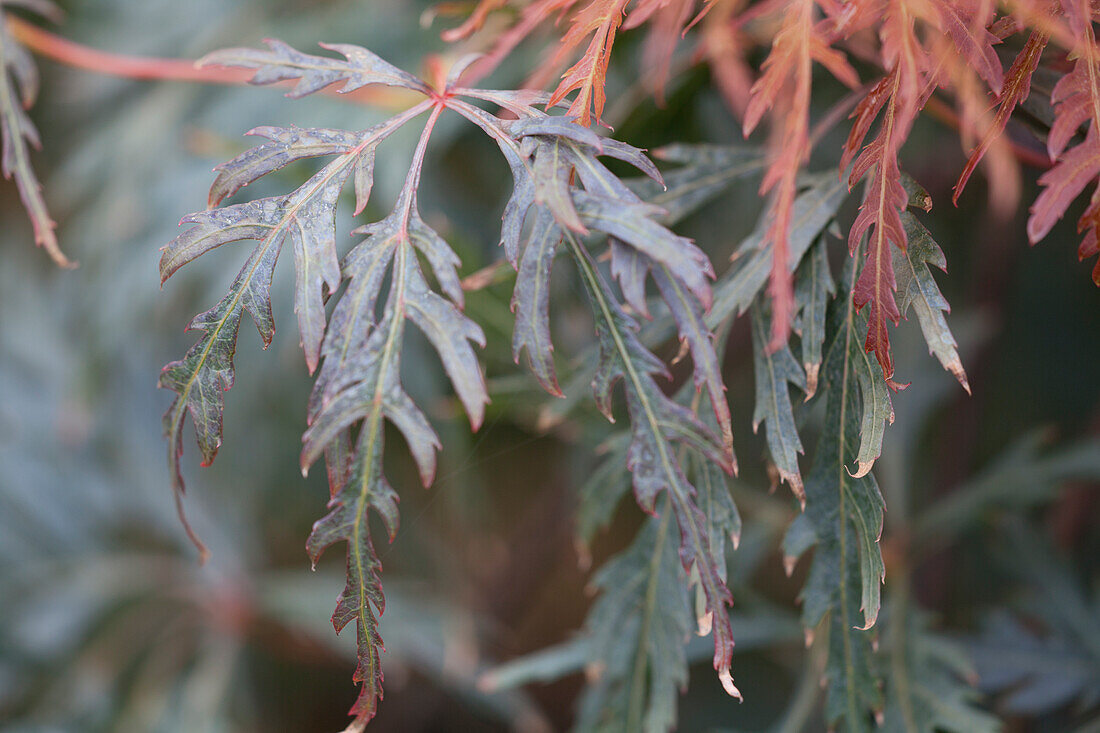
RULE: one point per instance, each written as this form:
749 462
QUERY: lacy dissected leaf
704 172
774 371
638 628
880 214
359 68
895 101
207 369
360 383
877 410
531 301
18 91
845 513
812 212
1015 91
786 84
917 289
599 19
288 144
814 289
306 218
640 246
723 518
560 189
657 421
929 685
1075 98
707 171
966 24
354 494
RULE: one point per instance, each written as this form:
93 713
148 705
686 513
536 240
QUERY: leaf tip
727 684
862 469
812 373
705 622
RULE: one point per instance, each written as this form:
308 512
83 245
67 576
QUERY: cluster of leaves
562 193
914 49
18 91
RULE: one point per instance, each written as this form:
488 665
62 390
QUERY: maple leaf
1076 99
18 91
557 175
917 289
843 519
640 622
814 288
786 83
773 371
655 422
880 212
636 631
1015 90
359 381
899 96
814 209
599 19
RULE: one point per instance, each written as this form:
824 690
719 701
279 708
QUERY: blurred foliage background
107 623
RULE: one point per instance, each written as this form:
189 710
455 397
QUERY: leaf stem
147 68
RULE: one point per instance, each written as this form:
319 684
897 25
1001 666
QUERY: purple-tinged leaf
346 358
553 172
207 369
657 421
707 371
814 288
845 512
630 267
365 489
359 68
555 128
531 301
774 371
634 224
287 144
18 89
918 289
451 334
639 621
636 157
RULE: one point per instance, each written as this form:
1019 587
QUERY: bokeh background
107 623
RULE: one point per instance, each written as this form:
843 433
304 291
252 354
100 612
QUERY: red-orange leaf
880 215
1016 88
1076 99
600 19
786 86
